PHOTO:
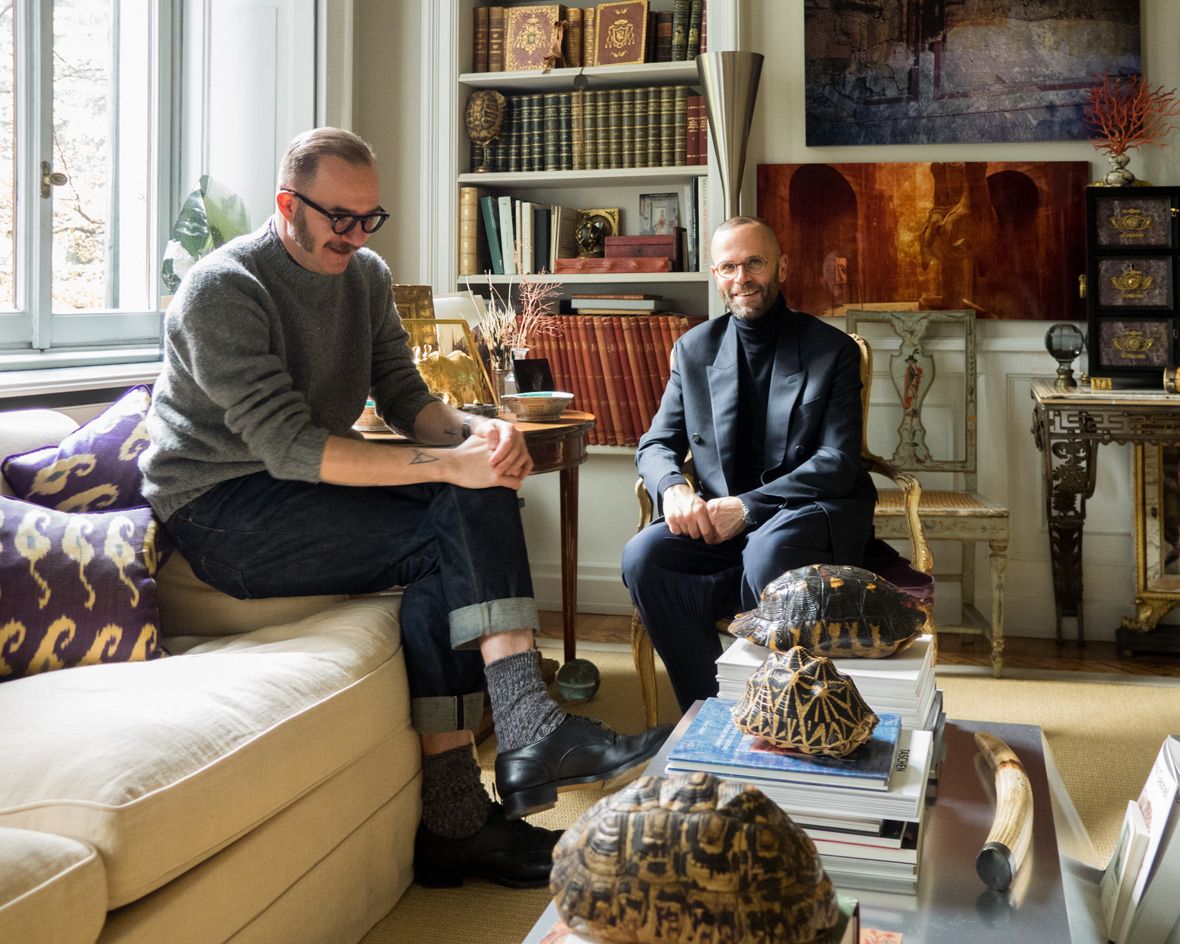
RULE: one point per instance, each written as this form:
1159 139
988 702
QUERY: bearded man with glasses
767 400
272 345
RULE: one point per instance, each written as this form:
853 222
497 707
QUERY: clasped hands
713 521
494 454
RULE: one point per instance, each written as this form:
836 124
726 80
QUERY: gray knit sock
522 709
454 801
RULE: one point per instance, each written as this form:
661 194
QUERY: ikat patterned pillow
75 589
95 467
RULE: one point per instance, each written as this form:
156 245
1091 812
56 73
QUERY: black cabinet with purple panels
1131 273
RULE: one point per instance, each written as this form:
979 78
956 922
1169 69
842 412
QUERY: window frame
34 327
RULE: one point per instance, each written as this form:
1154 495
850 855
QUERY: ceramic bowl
540 406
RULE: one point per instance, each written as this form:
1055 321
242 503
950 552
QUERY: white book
524 211
1155 897
909 851
1118 880
507 234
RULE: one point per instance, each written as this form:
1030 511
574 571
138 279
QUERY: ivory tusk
1007 843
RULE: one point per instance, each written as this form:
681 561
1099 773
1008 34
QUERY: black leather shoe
579 750
515 854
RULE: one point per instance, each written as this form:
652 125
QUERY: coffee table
1055 897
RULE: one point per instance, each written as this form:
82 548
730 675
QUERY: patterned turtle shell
690 859
805 703
832 610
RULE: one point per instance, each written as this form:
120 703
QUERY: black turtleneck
757 342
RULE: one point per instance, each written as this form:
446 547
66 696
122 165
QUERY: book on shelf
612 381
622 33
491 223
507 233
630 381
1118 879
542 219
715 744
470 261
1154 904
479 39
528 35
680 14
590 37
663 36
496 16
695 14
641 301
573 37
635 364
657 246
562 228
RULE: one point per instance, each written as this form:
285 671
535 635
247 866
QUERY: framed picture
448 360
659 214
414 301
533 375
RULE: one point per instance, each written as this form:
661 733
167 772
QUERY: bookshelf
446 166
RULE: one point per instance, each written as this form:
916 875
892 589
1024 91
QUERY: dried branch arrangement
1124 113
505 330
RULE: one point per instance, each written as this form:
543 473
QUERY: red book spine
635 421
664 326
587 389
561 373
637 365
647 332
612 382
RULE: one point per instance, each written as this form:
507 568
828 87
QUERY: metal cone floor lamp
729 81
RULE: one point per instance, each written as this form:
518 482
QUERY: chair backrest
912 371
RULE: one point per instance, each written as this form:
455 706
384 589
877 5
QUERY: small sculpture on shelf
592 228
484 120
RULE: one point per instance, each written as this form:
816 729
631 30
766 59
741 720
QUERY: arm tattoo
421 457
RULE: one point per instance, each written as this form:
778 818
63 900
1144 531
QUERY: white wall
389 57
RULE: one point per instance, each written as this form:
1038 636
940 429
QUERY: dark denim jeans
459 553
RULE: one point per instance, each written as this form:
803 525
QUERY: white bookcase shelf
557 80
585 178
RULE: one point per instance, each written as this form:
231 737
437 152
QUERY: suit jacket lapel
723 393
786 383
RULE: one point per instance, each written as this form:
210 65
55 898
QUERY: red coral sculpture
1125 113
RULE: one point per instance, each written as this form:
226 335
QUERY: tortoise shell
803 702
832 610
690 859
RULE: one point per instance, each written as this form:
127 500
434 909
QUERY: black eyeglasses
344 222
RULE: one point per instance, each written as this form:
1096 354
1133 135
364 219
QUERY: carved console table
1069 426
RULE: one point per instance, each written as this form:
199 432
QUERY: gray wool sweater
263 359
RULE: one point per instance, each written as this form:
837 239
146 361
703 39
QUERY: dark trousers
459 553
682 586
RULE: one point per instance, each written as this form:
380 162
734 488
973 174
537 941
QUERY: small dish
539 407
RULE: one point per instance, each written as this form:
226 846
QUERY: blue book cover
715 744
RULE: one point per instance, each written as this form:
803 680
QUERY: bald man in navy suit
768 402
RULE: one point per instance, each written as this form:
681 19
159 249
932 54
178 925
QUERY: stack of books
1138 891
864 811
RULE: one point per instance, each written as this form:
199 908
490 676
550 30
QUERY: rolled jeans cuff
438 714
470 623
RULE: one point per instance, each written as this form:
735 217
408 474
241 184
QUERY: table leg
569 561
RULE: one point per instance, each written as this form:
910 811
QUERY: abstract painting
1006 239
927 71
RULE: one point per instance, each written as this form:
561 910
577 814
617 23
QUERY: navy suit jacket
813 425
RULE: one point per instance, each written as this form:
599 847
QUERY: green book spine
577 133
590 129
667 126
680 126
680 10
695 10
550 131
653 126
514 137
614 156
536 132
565 134
602 119
627 128
639 138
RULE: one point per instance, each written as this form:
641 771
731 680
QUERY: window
85 170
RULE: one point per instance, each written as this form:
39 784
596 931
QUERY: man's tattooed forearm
420 457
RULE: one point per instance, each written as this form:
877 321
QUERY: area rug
1103 735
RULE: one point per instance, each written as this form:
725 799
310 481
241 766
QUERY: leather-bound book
664 36
577 99
622 32
680 126
653 126
479 39
695 11
590 36
590 129
680 9
469 261
602 120
565 142
528 35
692 156
667 126
626 121
573 37
639 139
550 136
496 39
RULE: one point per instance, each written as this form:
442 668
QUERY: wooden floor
953 649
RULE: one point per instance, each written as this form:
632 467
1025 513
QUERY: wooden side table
560 447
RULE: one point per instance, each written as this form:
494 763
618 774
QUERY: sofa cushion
160 764
96 466
22 430
190 607
52 889
76 589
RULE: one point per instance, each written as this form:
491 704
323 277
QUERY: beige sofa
259 785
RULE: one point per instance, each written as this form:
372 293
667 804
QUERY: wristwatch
746 513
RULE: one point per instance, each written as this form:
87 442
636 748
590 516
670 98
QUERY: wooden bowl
540 407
